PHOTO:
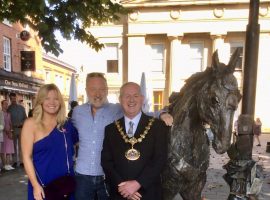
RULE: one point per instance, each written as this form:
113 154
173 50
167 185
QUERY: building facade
170 40
13 48
24 68
58 72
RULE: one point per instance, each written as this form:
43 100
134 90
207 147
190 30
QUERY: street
13 184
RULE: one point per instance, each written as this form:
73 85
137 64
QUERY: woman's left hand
38 193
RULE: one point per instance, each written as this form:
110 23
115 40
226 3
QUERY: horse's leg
193 190
170 183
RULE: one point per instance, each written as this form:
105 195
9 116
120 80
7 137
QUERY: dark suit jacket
147 169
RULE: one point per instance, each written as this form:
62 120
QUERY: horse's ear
215 60
234 60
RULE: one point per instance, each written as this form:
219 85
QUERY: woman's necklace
133 154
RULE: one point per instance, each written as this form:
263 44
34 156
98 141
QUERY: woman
43 139
7 147
257 130
1 131
2 124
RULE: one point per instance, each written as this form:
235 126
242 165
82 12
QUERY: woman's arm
27 142
8 127
2 122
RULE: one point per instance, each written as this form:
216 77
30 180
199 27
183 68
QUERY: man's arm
163 115
166 118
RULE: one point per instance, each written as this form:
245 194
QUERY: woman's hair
38 110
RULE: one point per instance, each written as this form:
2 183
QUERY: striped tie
130 130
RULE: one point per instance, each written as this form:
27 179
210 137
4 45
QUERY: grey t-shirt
18 115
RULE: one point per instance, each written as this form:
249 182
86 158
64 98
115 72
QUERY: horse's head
218 100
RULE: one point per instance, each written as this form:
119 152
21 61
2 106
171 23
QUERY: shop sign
25 35
28 62
17 85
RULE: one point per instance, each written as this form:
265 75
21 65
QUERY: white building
170 40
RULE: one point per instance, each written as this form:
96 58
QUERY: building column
173 79
218 44
137 57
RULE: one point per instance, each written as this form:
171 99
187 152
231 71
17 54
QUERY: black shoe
21 165
258 145
14 165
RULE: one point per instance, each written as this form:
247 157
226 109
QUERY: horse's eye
215 100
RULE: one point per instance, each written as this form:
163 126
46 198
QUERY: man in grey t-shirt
18 115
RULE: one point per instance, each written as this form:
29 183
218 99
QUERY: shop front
25 87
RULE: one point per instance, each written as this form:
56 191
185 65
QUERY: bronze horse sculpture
211 97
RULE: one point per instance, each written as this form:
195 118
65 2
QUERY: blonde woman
43 142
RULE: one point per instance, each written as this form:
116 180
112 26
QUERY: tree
70 17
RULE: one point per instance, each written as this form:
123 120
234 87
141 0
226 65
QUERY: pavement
217 189
13 184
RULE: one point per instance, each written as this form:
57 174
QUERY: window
233 47
111 53
61 83
7 54
47 77
158 100
67 85
56 80
196 57
157 58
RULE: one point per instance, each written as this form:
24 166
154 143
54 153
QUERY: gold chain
134 140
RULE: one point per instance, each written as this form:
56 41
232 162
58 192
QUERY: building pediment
162 3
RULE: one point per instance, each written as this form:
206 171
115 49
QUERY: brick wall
12 32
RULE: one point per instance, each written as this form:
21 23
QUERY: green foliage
71 17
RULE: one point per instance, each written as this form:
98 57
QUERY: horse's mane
196 81
192 86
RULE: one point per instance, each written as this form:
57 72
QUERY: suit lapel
122 124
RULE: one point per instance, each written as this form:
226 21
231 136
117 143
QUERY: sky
75 53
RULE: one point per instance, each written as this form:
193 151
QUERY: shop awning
19 90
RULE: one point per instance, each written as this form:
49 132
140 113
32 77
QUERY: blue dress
49 155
